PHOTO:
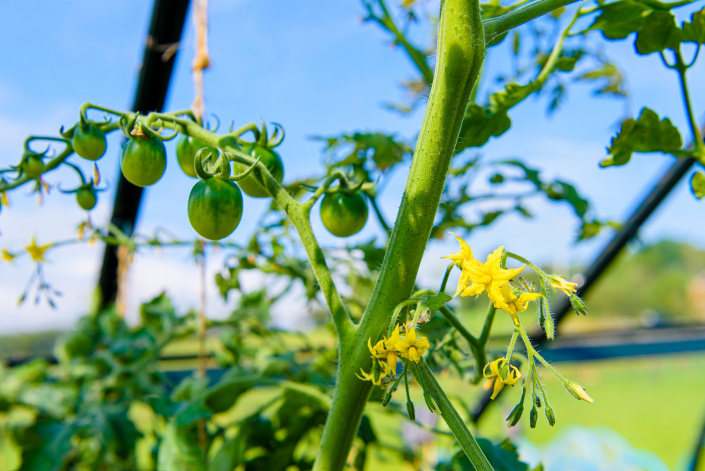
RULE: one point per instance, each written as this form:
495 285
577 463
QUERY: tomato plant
215 208
143 161
344 214
387 321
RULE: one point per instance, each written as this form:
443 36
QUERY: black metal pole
610 252
162 44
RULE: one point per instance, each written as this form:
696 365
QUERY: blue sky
315 68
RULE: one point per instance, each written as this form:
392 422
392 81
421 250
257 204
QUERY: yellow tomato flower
386 349
386 370
7 256
501 375
3 199
562 284
37 251
514 304
487 277
465 252
412 348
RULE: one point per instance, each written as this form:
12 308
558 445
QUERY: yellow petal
498 385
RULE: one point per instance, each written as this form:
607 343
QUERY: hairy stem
460 54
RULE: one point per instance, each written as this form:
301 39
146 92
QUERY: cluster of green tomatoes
215 204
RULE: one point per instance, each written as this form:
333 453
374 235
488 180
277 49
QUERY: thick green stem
460 54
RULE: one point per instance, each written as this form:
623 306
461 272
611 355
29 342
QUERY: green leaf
179 451
10 452
435 302
619 19
479 124
646 134
482 123
223 395
503 457
658 32
697 183
694 31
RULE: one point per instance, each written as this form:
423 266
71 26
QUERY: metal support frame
162 44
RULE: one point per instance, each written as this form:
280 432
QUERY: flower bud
537 400
410 410
550 416
578 392
533 417
579 305
515 414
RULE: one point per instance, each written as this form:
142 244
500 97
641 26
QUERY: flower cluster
385 354
491 278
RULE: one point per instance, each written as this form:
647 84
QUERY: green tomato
343 214
86 198
33 167
143 161
186 149
271 160
89 141
215 208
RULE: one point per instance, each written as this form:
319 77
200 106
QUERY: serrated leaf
694 31
646 134
697 183
479 125
619 19
658 32
482 123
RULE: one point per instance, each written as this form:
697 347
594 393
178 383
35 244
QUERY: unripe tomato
143 161
186 149
271 160
215 208
33 167
343 214
86 198
88 141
